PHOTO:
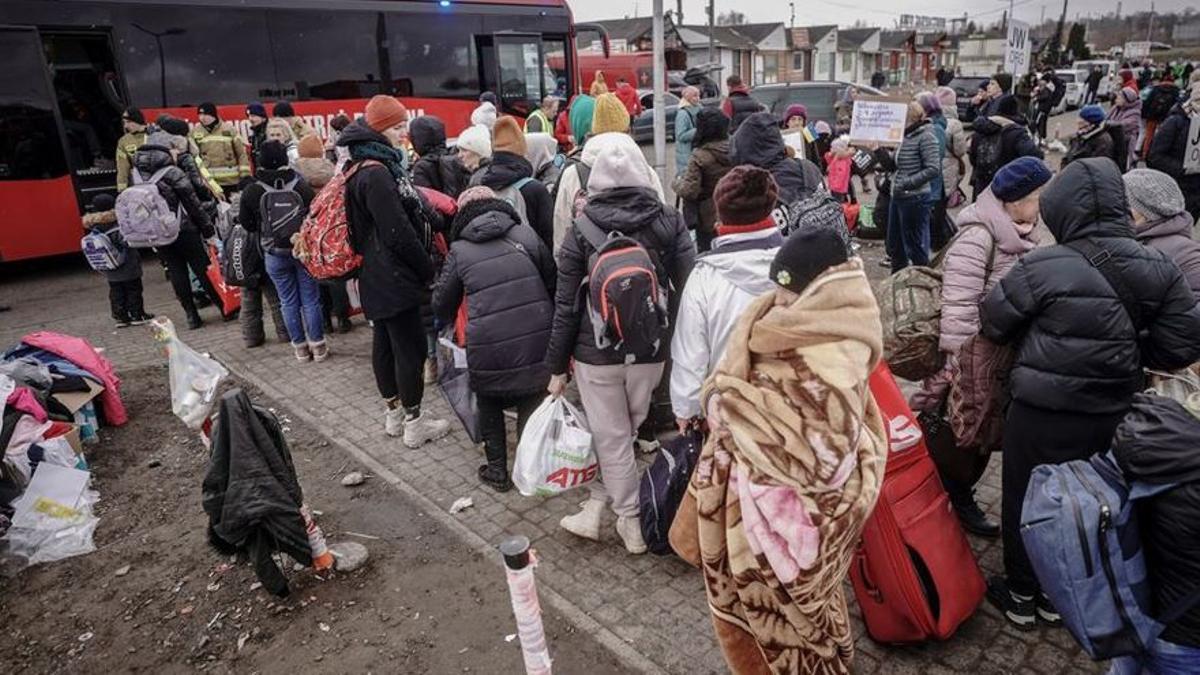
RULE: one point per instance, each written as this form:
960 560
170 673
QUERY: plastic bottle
322 559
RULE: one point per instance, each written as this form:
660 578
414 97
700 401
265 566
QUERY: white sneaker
419 431
586 523
630 530
393 422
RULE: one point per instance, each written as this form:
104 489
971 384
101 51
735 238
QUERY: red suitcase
914 574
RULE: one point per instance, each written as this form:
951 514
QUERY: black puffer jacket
998 140
1077 349
1167 152
437 166
396 269
636 212
507 168
1159 442
758 142
175 187
507 275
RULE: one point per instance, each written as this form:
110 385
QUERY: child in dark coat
125 282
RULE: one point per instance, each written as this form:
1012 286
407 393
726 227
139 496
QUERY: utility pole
1056 42
712 52
792 23
1150 28
1043 19
660 82
678 13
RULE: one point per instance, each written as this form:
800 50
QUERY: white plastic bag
53 518
555 452
194 376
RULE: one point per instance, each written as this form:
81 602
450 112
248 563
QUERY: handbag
978 389
456 386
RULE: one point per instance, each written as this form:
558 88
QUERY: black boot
344 325
193 319
973 519
495 477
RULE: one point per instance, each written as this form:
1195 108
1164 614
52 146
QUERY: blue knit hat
256 108
1015 180
1092 114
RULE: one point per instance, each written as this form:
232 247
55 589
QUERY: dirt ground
423 604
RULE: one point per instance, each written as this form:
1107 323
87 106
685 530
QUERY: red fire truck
71 66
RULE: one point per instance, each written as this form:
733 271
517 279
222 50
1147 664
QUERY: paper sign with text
878 121
1191 149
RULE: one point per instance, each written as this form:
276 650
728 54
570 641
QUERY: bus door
521 75
39 214
90 98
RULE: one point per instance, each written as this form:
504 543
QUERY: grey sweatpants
252 312
616 400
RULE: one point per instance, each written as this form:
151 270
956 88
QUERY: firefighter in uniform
221 148
134 123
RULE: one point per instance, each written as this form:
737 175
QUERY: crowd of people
749 301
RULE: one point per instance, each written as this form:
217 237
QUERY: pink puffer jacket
965 280
81 352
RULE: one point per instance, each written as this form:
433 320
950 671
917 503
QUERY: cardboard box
74 400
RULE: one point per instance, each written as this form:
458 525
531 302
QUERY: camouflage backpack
910 308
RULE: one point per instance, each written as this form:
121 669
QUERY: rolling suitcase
914 574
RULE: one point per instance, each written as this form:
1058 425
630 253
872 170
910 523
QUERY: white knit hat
477 139
485 114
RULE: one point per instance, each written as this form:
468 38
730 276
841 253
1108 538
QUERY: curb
629 657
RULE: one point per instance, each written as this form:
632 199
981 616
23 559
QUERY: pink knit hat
474 194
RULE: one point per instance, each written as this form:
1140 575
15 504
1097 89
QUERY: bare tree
731 18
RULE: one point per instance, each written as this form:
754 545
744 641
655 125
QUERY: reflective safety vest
540 116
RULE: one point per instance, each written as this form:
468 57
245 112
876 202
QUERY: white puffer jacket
720 288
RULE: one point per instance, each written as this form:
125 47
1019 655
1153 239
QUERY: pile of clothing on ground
56 392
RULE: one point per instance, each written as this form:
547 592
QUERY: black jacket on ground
251 493
758 142
249 206
507 168
437 166
175 187
396 269
1159 442
633 211
1012 133
507 275
1077 348
1167 154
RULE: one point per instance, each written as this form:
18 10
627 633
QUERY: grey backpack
282 211
143 216
512 195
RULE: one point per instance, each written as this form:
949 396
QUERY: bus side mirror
600 31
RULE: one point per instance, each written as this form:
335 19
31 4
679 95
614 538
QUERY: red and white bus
71 66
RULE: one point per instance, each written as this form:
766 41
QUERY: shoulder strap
522 183
584 172
591 232
159 174
1099 258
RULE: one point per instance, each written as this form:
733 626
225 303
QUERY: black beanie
135 115
284 109
174 126
103 202
207 109
805 254
272 155
1007 106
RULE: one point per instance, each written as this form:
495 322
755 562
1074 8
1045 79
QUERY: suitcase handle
868 585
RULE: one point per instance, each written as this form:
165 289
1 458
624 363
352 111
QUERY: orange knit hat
385 112
508 137
311 146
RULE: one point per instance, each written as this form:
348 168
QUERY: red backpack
323 245
626 302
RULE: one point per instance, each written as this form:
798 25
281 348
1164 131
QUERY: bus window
432 54
556 65
522 79
329 55
210 55
30 147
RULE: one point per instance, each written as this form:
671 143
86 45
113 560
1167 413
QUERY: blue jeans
1165 658
908 231
299 295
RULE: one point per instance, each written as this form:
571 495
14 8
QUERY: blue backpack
663 486
1080 528
102 253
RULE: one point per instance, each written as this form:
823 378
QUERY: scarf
773 511
394 159
420 214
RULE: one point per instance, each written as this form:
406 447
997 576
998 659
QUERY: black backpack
1120 146
242 260
1159 104
988 151
662 488
626 299
282 211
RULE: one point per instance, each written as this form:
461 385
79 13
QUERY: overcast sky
884 14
